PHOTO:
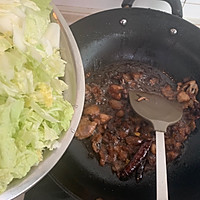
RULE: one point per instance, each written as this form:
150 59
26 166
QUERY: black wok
163 40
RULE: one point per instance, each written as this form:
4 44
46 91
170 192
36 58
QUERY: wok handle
175 5
161 168
127 3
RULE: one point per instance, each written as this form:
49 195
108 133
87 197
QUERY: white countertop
74 10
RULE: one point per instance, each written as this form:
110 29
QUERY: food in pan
118 136
33 112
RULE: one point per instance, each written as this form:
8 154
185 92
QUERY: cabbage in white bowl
33 112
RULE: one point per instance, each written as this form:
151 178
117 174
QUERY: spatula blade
155 108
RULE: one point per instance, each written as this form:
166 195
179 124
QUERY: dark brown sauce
115 132
108 75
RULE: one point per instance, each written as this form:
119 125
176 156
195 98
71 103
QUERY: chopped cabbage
33 112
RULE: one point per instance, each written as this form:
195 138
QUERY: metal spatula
161 113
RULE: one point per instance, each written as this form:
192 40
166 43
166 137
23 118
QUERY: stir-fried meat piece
120 113
117 166
132 84
97 93
87 75
187 93
103 155
180 138
190 87
171 155
123 139
104 118
127 77
88 94
121 153
192 125
101 128
196 111
91 110
115 91
85 128
168 92
96 142
117 105
153 81
112 154
125 93
115 88
132 140
177 146
182 97
193 88
153 148
123 134
116 96
137 75
152 160
170 143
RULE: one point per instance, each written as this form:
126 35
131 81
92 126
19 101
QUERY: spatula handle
161 169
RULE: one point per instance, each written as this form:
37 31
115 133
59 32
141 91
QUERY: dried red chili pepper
136 161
